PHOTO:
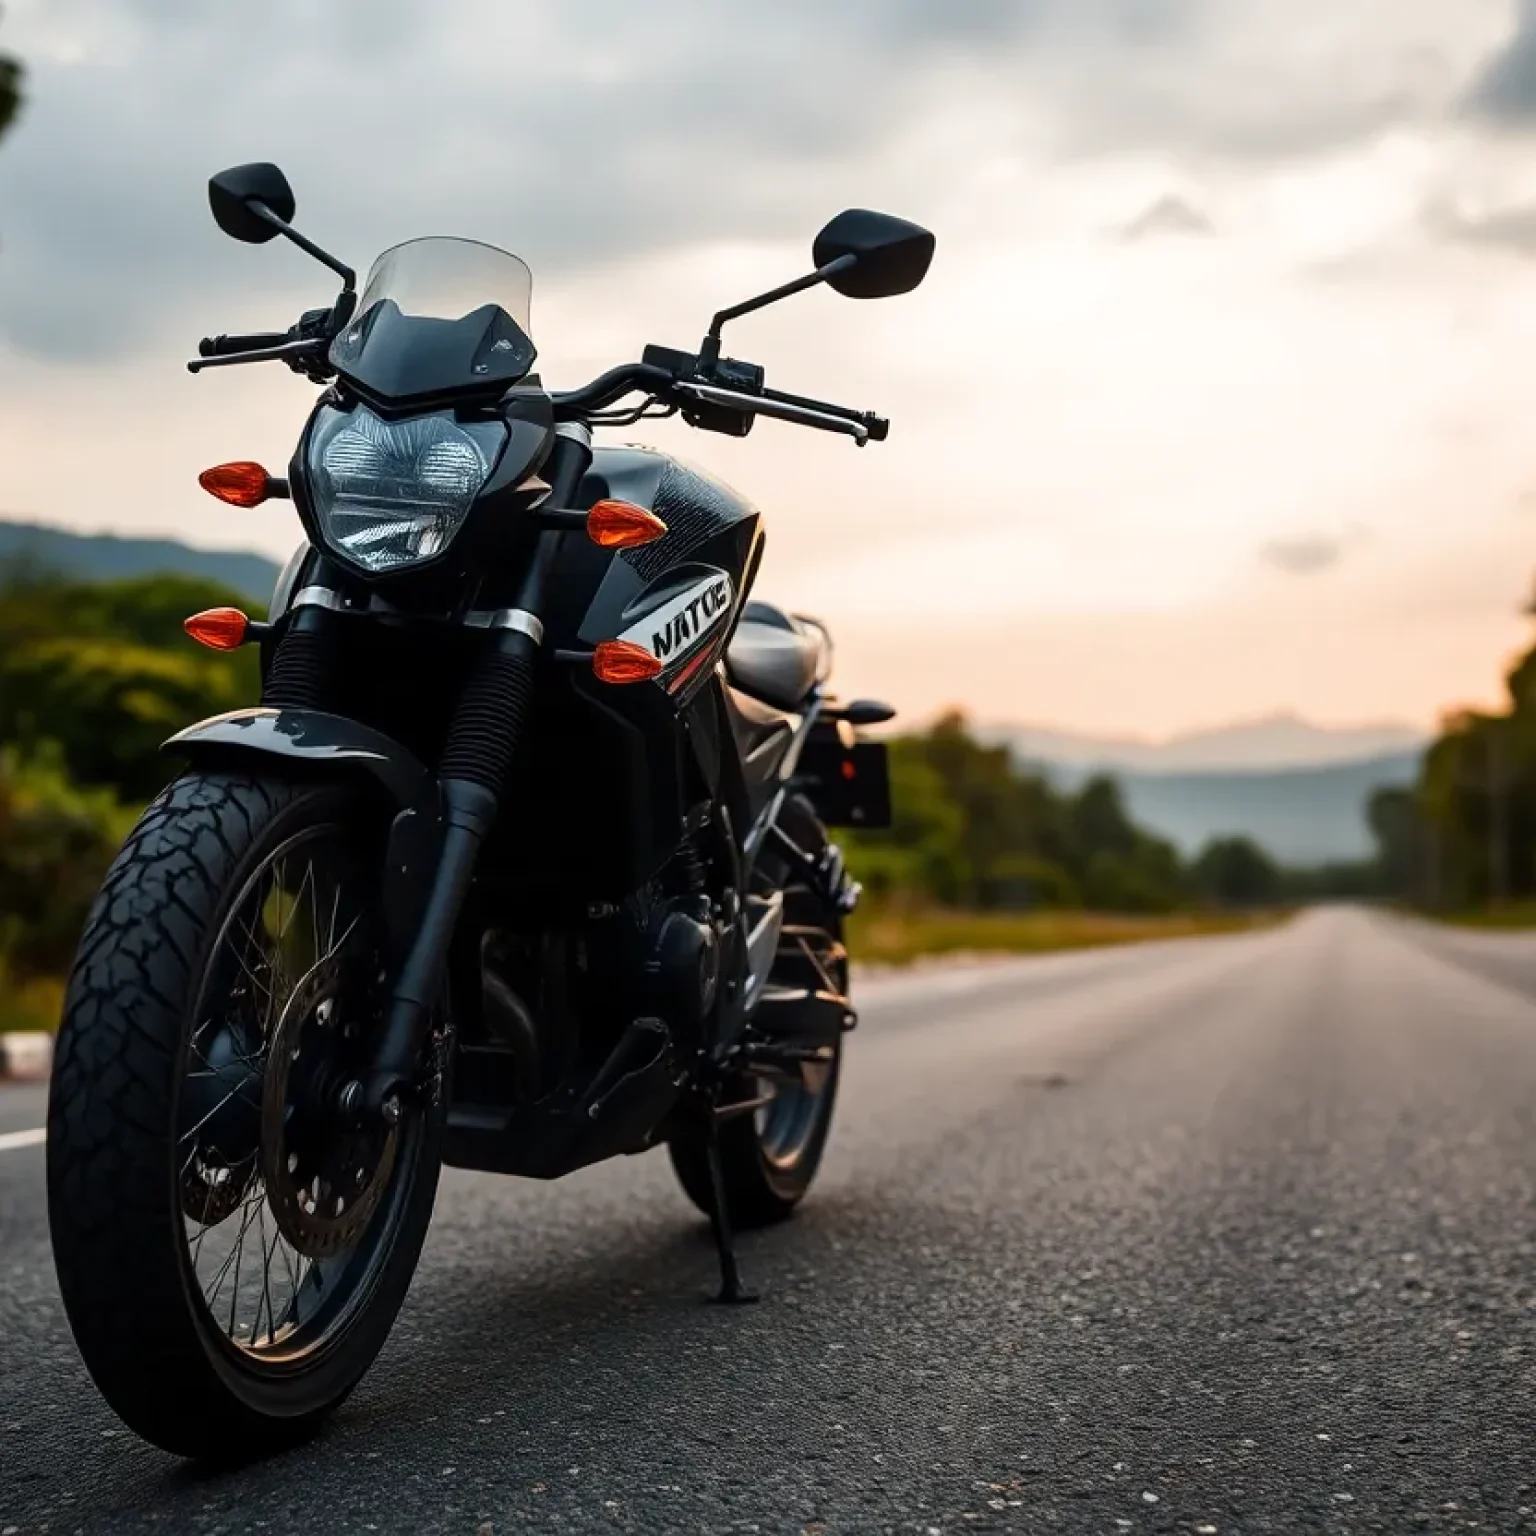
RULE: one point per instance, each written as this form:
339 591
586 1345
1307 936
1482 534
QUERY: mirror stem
709 353
283 227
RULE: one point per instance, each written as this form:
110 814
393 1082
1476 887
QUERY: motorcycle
522 863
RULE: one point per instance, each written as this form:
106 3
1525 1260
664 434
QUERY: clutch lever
287 352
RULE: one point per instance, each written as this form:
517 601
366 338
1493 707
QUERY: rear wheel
231 1253
770 1156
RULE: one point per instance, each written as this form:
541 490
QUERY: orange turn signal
242 485
220 629
619 525
617 661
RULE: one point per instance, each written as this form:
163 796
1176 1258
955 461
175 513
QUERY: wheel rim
287 1216
788 1123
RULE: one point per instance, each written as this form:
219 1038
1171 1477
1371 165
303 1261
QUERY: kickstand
732 1292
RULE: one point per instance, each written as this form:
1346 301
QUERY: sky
1217 401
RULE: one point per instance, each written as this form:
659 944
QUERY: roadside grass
1512 916
899 936
30 1005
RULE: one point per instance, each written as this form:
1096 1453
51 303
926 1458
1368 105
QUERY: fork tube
482 742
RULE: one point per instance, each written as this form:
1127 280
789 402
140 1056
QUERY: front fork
486 731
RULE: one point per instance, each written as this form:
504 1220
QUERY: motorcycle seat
777 657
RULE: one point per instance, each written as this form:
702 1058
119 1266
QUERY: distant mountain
1278 742
1300 815
105 557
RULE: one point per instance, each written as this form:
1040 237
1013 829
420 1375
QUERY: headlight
393 493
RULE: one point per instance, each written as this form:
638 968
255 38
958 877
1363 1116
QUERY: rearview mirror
890 255
231 194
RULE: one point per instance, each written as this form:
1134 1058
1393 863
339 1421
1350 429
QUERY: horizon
1194 731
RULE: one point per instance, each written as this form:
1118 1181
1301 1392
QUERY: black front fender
311 738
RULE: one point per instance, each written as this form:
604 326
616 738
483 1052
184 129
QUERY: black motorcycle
521 864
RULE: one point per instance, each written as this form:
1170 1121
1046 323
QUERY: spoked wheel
232 1245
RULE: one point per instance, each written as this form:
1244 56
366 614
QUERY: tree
104 672
974 830
10 91
1236 872
920 855
1406 846
55 844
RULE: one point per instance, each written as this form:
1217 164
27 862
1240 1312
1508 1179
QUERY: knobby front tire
228 972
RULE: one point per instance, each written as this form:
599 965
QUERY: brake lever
760 405
288 351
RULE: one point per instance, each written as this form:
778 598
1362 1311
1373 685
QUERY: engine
559 1003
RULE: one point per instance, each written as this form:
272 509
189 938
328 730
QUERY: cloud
583 133
1306 556
1511 228
1168 215
1504 89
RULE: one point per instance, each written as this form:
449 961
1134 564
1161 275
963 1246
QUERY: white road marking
13 1141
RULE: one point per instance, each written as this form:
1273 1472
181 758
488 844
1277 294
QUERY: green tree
104 671
10 91
55 844
974 830
1406 851
1099 822
1236 872
920 855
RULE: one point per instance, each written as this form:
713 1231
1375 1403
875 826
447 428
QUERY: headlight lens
389 494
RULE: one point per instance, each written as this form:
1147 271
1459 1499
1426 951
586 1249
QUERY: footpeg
785 1055
827 874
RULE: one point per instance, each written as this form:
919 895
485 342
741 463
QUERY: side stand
732 1292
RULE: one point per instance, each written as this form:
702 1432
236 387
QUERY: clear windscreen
442 278
437 316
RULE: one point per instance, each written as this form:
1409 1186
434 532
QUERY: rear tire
769 1165
129 1185
759 1192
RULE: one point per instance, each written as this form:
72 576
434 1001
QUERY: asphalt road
1231 1235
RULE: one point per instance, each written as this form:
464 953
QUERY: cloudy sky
1220 400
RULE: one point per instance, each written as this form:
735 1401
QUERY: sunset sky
1220 399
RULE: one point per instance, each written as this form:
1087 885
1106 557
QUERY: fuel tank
611 771
678 598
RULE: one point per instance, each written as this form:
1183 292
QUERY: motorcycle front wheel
232 1250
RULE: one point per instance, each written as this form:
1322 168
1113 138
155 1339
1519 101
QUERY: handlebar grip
228 346
878 427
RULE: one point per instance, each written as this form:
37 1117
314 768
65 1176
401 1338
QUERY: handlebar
606 388
716 399
230 346
878 427
670 380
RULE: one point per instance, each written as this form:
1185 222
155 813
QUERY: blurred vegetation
103 673
93 677
881 934
1463 838
10 91
975 832
983 856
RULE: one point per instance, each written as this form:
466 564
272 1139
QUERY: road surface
1234 1234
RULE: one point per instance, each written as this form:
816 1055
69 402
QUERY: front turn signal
617 661
242 484
220 629
621 525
